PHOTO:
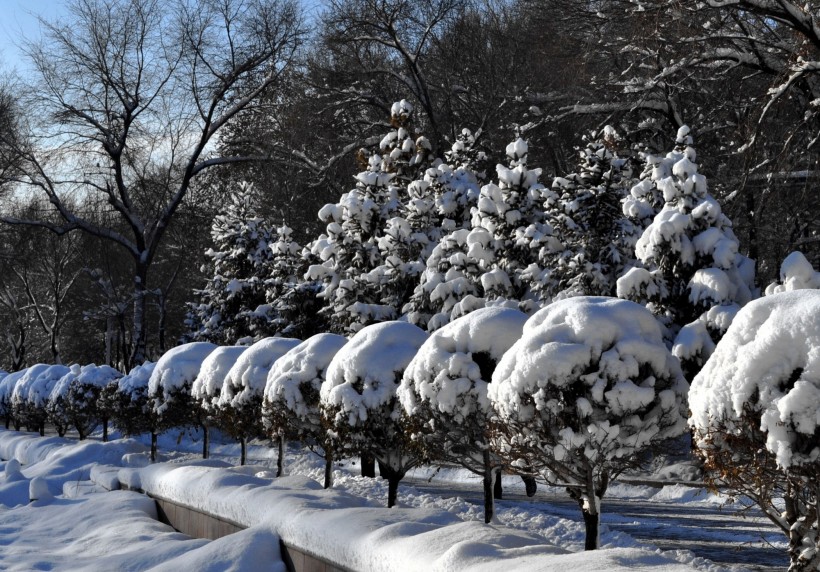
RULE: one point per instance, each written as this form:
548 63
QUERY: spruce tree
239 264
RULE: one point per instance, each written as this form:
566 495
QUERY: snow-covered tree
239 406
444 391
30 395
369 247
359 402
756 416
489 261
592 246
691 274
239 263
6 389
587 388
74 400
169 387
796 273
206 387
291 406
131 409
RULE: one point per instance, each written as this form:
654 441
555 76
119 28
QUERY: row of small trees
406 398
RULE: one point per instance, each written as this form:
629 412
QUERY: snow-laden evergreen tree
587 221
292 300
359 404
690 273
490 261
443 392
588 386
239 263
352 266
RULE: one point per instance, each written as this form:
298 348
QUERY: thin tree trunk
280 462
368 463
140 294
490 475
328 470
206 441
105 430
153 446
42 429
498 489
243 446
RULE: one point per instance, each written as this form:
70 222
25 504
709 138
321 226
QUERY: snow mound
248 376
212 374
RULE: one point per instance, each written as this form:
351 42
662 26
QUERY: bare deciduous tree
129 99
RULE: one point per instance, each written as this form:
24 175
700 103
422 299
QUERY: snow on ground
84 531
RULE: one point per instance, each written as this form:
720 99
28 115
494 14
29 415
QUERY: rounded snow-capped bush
796 273
208 383
449 376
247 378
364 375
764 375
176 370
295 380
590 381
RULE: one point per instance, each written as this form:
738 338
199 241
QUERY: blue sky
18 20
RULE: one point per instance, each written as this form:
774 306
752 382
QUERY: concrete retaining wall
198 524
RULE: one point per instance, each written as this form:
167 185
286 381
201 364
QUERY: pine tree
239 264
592 246
691 274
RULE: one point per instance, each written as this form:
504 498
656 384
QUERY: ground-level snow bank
353 533
119 531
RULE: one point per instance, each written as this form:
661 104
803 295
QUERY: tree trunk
206 441
328 470
498 489
8 421
491 475
153 446
368 463
591 522
280 462
42 429
243 450
105 430
140 292
393 479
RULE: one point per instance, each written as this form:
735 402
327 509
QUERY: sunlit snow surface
84 529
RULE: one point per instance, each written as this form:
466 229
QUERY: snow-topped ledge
350 532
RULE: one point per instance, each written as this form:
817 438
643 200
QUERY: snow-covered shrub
796 273
689 262
756 415
588 387
169 387
74 400
359 403
239 264
291 406
30 395
129 404
206 387
444 391
239 406
6 389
